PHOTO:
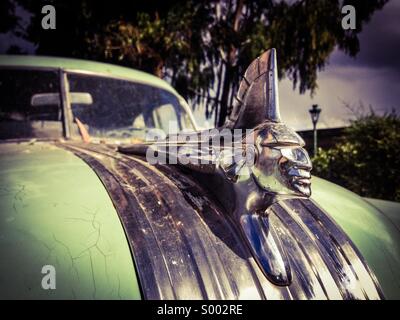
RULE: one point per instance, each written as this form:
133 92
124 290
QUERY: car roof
86 66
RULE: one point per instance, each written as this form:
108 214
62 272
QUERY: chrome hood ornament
282 168
264 163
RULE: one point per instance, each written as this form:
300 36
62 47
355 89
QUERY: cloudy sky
372 78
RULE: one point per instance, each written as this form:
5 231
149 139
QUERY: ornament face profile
282 166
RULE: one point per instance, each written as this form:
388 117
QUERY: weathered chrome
187 246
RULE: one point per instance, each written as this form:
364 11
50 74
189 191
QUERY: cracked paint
54 210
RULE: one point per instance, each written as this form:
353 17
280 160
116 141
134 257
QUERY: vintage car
87 213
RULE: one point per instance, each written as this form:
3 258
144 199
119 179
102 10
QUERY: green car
102 198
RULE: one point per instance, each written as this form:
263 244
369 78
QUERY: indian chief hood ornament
264 163
282 167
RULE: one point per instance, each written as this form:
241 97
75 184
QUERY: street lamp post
314 112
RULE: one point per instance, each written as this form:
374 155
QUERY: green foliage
202 47
367 160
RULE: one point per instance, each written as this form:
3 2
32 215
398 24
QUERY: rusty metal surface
186 245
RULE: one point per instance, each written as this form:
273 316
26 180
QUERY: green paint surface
55 211
389 208
376 237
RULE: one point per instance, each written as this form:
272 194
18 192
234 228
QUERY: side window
19 119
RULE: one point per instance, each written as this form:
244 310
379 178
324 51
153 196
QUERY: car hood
183 243
55 211
186 244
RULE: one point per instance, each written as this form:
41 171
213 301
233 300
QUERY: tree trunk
223 112
229 67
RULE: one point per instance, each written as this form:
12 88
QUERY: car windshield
123 110
106 108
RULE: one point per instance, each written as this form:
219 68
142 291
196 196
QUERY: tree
203 47
366 159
